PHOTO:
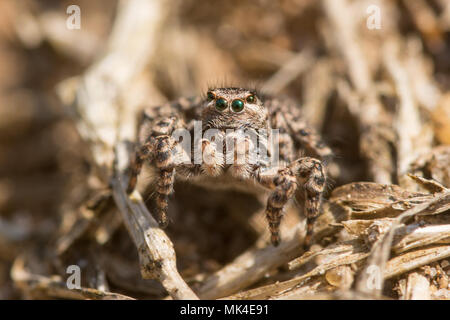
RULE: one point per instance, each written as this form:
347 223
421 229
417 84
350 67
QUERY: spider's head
234 108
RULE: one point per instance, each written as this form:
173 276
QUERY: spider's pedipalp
213 159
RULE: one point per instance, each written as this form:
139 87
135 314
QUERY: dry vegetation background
68 104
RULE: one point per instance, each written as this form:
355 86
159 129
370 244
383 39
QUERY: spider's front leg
311 174
159 150
305 175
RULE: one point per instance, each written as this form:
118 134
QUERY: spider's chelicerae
227 110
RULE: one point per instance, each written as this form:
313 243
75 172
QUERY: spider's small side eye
251 98
210 96
237 105
221 104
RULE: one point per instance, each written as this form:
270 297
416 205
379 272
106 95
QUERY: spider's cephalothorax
228 111
234 108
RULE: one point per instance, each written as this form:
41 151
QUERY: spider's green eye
251 98
210 96
221 104
237 105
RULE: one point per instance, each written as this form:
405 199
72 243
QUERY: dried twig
382 247
418 287
156 252
414 259
250 266
274 290
103 124
364 105
288 72
412 139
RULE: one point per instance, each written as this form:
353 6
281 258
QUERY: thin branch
363 103
288 72
382 247
103 123
156 253
411 137
250 267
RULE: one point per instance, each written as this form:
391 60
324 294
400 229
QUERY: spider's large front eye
237 105
221 104
251 98
210 96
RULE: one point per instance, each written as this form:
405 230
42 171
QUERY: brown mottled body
235 108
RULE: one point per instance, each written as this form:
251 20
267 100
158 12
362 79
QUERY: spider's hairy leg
308 137
164 161
284 185
159 150
141 155
149 132
311 175
287 117
305 174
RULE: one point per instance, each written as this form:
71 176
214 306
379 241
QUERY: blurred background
376 88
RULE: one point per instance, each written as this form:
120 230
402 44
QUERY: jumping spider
234 108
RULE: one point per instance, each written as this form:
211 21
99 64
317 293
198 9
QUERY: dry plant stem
274 290
414 259
317 88
79 46
421 237
288 72
407 123
368 110
340 15
417 288
336 295
338 248
156 253
353 252
250 267
368 200
78 229
431 185
128 51
427 23
425 88
255 263
89 212
381 249
445 16
103 123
